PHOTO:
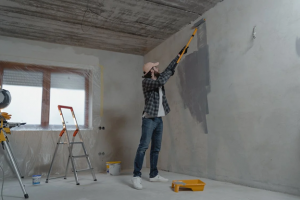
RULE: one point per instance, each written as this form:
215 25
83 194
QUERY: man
156 106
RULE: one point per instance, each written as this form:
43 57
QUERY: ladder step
70 143
81 170
81 156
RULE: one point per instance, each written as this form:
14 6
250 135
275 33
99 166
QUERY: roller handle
195 31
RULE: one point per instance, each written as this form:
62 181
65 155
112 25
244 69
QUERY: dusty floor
119 187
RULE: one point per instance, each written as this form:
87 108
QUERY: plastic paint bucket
113 168
36 179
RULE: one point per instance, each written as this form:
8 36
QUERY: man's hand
184 51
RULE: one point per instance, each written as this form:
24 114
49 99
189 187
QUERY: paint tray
194 185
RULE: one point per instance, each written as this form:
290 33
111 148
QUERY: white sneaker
158 178
137 183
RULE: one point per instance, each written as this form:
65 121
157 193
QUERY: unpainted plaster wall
253 122
122 106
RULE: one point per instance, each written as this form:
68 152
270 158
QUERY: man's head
151 70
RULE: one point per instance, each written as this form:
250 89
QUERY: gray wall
122 106
253 122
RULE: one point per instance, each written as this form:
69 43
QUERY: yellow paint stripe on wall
102 89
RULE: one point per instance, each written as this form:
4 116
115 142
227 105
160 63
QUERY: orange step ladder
70 147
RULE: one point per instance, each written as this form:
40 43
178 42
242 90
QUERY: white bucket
113 168
36 179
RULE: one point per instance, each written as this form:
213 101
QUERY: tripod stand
4 130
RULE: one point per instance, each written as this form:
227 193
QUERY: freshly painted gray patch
298 46
194 80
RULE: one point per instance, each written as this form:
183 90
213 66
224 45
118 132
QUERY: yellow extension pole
195 31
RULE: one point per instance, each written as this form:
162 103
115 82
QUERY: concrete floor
119 187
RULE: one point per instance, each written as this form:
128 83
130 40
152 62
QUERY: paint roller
196 25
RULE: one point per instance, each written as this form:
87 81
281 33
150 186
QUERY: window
37 91
26 89
67 89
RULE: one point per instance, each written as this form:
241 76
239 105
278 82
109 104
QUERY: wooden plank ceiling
129 26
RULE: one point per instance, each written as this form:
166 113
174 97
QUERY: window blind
25 78
67 81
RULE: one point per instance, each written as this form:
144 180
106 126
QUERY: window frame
47 70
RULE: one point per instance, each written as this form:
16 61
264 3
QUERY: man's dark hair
148 75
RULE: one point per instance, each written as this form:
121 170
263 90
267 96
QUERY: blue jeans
152 129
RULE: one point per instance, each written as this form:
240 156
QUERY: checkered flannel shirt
151 90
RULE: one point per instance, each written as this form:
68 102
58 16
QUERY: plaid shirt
151 90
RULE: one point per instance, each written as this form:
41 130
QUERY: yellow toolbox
195 185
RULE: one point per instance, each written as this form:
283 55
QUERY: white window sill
32 127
